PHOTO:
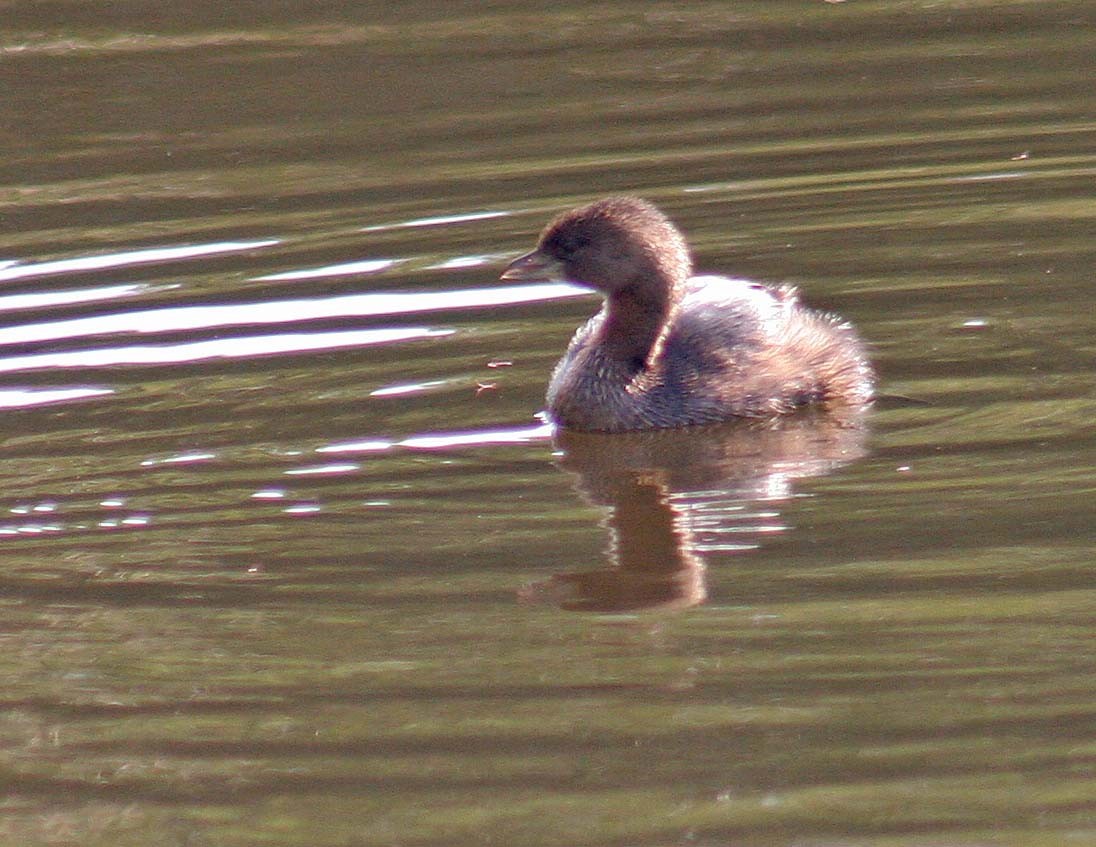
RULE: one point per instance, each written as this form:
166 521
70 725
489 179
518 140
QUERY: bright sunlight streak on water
217 348
443 440
437 221
286 311
133 257
44 299
20 398
367 266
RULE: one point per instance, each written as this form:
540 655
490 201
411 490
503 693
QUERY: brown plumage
668 349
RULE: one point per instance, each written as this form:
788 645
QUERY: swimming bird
669 349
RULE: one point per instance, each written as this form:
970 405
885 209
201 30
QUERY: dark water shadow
674 495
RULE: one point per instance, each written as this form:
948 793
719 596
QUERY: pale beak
534 267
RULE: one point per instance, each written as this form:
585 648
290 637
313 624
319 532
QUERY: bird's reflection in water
673 495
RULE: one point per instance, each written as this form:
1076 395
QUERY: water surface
286 556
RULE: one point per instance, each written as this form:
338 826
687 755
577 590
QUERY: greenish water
285 557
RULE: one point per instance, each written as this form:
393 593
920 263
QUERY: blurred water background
287 558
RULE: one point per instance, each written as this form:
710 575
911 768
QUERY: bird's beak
534 267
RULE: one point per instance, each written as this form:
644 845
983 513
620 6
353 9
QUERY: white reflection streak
374 445
437 221
286 311
459 262
409 388
990 177
18 398
325 470
183 459
519 435
365 267
473 439
132 257
218 348
13 302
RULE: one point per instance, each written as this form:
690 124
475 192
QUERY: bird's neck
637 322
